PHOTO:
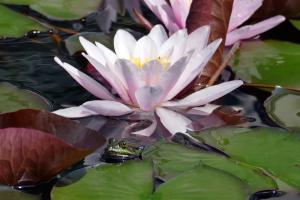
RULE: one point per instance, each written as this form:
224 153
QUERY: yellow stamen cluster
140 63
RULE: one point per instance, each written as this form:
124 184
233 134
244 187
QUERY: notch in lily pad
134 180
283 107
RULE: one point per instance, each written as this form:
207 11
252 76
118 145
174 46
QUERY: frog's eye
123 143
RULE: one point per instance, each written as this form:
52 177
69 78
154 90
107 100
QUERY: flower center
141 62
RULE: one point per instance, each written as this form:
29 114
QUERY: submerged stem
226 60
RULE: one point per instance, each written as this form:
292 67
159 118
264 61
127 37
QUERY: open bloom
146 75
174 17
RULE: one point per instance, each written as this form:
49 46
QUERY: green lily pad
172 159
296 23
203 183
7 193
284 108
66 9
276 151
73 45
134 180
60 9
268 62
12 99
13 24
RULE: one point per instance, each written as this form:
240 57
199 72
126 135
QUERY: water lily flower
174 16
146 75
242 11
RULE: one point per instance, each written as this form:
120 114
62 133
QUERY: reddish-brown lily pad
215 13
67 130
37 145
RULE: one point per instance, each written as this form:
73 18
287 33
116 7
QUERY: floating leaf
296 23
283 107
60 9
268 62
12 98
7 193
203 183
288 8
58 144
215 13
63 128
173 159
24 162
133 180
13 24
73 45
274 150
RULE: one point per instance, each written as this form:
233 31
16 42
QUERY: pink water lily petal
124 44
75 112
109 55
87 82
164 12
181 9
147 132
132 76
97 107
170 77
152 72
241 11
92 50
148 97
111 59
145 50
167 48
108 108
194 68
110 77
178 50
173 121
158 35
203 110
251 31
205 95
198 39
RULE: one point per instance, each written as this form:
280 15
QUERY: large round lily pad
134 181
12 98
268 62
276 151
37 145
60 9
8 193
13 24
172 159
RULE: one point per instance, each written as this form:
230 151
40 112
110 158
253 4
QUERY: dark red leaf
223 116
63 128
215 13
30 156
288 8
37 145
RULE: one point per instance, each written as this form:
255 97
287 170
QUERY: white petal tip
58 61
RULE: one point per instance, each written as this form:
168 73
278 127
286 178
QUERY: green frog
120 151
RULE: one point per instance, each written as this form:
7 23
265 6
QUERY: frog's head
121 150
